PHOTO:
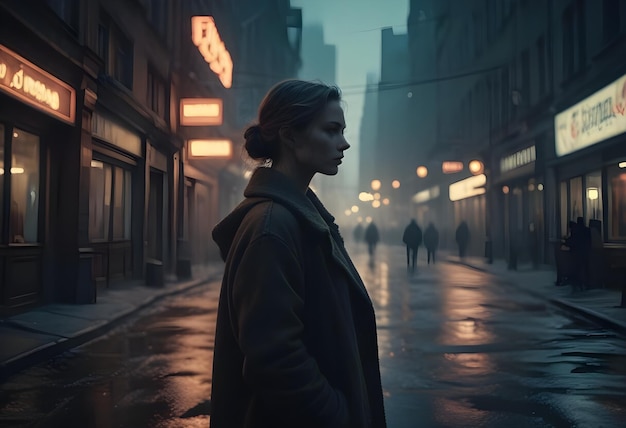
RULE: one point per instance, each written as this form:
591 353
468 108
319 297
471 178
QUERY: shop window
109 202
593 196
24 170
576 198
99 200
616 179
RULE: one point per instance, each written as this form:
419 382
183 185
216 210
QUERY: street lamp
376 185
421 171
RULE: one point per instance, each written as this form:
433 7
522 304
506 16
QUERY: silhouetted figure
431 241
462 238
357 234
564 258
371 237
412 238
581 248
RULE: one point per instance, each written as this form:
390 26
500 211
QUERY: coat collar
267 183
271 184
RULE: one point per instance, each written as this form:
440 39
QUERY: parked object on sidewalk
295 340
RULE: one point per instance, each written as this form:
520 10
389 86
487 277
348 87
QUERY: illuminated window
24 171
616 195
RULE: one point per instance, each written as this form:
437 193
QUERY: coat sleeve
268 303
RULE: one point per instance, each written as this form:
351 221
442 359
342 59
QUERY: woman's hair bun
255 146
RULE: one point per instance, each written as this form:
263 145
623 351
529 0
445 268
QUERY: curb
589 314
35 356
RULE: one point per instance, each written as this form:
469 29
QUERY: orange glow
210 148
476 167
421 171
200 111
205 36
450 167
395 184
376 185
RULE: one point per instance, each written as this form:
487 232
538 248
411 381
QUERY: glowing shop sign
596 118
205 36
210 148
518 159
451 167
25 81
472 186
200 111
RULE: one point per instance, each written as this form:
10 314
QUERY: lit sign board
29 83
450 167
200 111
518 159
426 195
594 119
205 36
210 148
472 186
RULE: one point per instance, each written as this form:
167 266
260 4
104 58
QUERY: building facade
101 185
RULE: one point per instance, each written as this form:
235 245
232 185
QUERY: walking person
371 237
412 238
462 236
431 241
295 339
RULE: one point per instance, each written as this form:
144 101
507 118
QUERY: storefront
37 117
518 219
590 163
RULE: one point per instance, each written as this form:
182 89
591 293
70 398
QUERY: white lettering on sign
518 159
205 36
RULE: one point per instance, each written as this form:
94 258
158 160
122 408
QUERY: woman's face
320 146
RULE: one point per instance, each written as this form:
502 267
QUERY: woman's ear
287 136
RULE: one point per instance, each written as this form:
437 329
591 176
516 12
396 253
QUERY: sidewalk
599 304
43 332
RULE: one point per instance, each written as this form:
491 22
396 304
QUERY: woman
295 342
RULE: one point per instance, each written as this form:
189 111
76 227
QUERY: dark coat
431 238
295 341
412 235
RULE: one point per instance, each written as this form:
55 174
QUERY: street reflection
457 413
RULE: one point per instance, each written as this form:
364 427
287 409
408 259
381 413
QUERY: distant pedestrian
431 241
357 234
371 237
412 238
462 238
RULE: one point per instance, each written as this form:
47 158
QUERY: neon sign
27 82
205 36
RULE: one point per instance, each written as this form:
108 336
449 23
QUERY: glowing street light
476 167
395 184
421 171
376 185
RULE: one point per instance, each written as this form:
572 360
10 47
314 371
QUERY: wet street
458 348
